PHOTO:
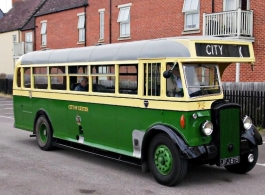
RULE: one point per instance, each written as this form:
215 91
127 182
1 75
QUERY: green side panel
229 132
191 133
23 114
108 127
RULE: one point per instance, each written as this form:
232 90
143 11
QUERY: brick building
12 35
79 23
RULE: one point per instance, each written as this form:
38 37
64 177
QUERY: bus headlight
207 128
247 122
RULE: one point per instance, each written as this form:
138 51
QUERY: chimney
14 1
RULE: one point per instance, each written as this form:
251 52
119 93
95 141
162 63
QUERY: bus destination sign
222 50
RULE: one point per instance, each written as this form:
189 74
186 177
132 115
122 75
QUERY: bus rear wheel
164 161
245 166
44 133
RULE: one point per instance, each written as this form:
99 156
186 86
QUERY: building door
28 42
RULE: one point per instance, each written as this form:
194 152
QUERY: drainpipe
237 72
212 6
85 6
110 4
34 31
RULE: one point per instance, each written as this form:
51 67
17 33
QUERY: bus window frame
202 96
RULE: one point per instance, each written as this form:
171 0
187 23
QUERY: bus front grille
226 121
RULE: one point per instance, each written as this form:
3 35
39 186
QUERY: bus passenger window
58 78
174 82
78 77
128 77
40 78
27 76
103 77
152 79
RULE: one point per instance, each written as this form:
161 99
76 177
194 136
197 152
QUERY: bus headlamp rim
247 122
207 128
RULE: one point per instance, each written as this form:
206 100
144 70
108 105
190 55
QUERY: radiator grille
229 132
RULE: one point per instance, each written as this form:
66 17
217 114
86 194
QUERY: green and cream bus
126 110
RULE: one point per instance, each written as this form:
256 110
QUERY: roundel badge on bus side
146 103
78 119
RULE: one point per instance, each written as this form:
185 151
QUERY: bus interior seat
99 88
73 86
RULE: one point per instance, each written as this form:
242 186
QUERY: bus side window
128 77
27 78
40 78
103 77
57 77
76 76
152 79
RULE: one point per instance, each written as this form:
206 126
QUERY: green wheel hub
163 159
43 133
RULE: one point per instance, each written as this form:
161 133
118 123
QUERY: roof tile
52 6
19 15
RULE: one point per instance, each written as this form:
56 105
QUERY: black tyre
44 133
244 166
164 161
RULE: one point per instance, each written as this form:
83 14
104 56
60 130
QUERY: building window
191 9
81 27
28 42
101 23
14 38
124 20
43 33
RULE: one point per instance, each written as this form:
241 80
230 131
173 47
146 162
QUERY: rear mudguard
253 136
185 151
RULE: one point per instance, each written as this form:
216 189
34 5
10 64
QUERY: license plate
229 161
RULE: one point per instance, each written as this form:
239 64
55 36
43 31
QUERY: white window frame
191 8
124 20
101 23
237 5
28 42
81 27
43 33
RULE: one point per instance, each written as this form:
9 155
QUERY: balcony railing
21 48
231 23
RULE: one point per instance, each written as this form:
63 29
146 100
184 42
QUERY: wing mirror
168 73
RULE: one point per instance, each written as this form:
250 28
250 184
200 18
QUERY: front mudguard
252 135
186 152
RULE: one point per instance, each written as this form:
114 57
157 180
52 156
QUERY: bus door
150 113
26 105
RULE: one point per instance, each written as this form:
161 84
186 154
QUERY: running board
98 152
32 135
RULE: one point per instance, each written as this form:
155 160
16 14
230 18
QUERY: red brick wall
62 29
149 19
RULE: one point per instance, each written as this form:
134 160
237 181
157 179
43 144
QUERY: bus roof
172 47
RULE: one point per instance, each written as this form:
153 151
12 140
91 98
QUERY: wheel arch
157 129
38 114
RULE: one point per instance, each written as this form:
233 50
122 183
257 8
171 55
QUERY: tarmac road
27 170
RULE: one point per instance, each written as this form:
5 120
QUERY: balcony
238 24
21 48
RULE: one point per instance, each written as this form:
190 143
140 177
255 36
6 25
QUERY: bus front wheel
43 133
244 166
164 161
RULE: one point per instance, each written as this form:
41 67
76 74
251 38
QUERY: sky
5 5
